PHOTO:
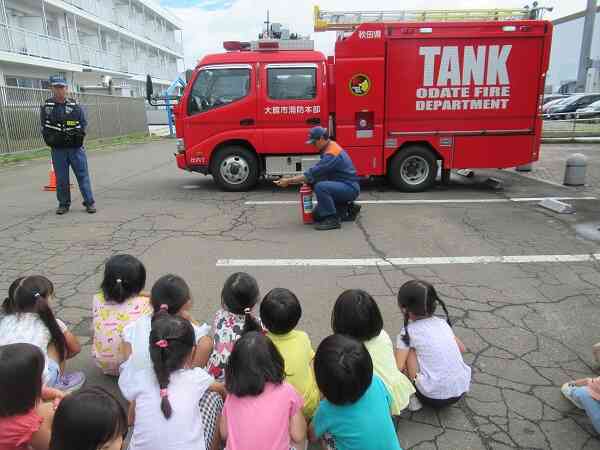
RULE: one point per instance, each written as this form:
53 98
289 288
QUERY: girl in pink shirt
118 304
261 410
25 421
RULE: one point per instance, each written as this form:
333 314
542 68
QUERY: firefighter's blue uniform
334 181
63 130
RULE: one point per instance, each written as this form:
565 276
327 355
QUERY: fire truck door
222 101
291 102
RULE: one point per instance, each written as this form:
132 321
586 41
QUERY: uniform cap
317 133
57 80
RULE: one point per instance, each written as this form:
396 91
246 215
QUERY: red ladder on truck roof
349 20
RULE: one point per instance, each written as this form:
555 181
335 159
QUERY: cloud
210 22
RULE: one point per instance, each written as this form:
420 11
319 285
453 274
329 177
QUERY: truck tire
235 169
413 169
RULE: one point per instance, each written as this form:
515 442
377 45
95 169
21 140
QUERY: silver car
589 112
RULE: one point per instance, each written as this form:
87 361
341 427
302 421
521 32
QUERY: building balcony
29 43
94 7
135 23
24 42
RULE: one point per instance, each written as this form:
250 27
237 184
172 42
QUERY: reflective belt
53 127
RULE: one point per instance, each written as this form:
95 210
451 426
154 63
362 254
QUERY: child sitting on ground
427 349
170 293
118 304
585 394
90 419
28 318
261 411
355 413
238 298
166 398
280 312
357 315
25 421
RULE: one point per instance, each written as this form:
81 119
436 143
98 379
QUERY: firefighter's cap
317 133
57 80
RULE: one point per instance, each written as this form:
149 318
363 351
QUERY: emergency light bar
236 46
349 20
282 45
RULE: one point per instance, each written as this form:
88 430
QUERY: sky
207 23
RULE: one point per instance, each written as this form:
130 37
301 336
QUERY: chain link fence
107 116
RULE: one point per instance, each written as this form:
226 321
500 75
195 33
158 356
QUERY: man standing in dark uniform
63 129
334 180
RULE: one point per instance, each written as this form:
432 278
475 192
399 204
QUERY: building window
292 83
26 82
218 87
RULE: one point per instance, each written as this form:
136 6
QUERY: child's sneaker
70 382
414 404
567 391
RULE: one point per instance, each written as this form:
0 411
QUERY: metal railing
136 24
25 42
570 126
94 7
107 116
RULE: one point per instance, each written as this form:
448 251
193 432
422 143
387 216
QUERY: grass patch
93 145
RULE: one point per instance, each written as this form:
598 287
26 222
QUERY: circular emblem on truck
360 85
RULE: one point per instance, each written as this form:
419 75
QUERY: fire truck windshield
218 87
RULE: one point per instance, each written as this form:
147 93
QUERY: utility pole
586 45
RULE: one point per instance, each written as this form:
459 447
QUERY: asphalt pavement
522 283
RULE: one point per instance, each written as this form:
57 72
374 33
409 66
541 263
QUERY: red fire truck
404 93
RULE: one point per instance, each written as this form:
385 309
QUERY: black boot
62 210
330 223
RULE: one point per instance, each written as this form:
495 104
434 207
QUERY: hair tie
163 343
119 281
37 295
164 393
164 307
247 310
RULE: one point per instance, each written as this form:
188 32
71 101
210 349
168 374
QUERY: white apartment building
89 42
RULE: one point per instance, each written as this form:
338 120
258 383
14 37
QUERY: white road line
541 180
418 261
427 201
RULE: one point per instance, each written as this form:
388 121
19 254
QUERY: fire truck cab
400 95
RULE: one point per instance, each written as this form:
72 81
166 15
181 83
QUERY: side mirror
188 75
149 88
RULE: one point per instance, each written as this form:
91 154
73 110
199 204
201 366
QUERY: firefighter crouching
63 129
334 181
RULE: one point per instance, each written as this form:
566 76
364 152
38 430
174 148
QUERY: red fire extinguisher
306 203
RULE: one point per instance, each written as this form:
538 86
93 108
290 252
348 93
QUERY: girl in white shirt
166 398
427 349
27 317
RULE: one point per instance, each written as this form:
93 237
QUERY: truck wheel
413 169
235 169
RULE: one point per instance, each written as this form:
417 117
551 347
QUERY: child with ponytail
28 318
166 397
238 299
118 304
427 349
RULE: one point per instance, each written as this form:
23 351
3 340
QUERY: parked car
567 108
551 97
589 112
552 103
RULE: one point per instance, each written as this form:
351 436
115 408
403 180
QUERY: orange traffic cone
51 186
